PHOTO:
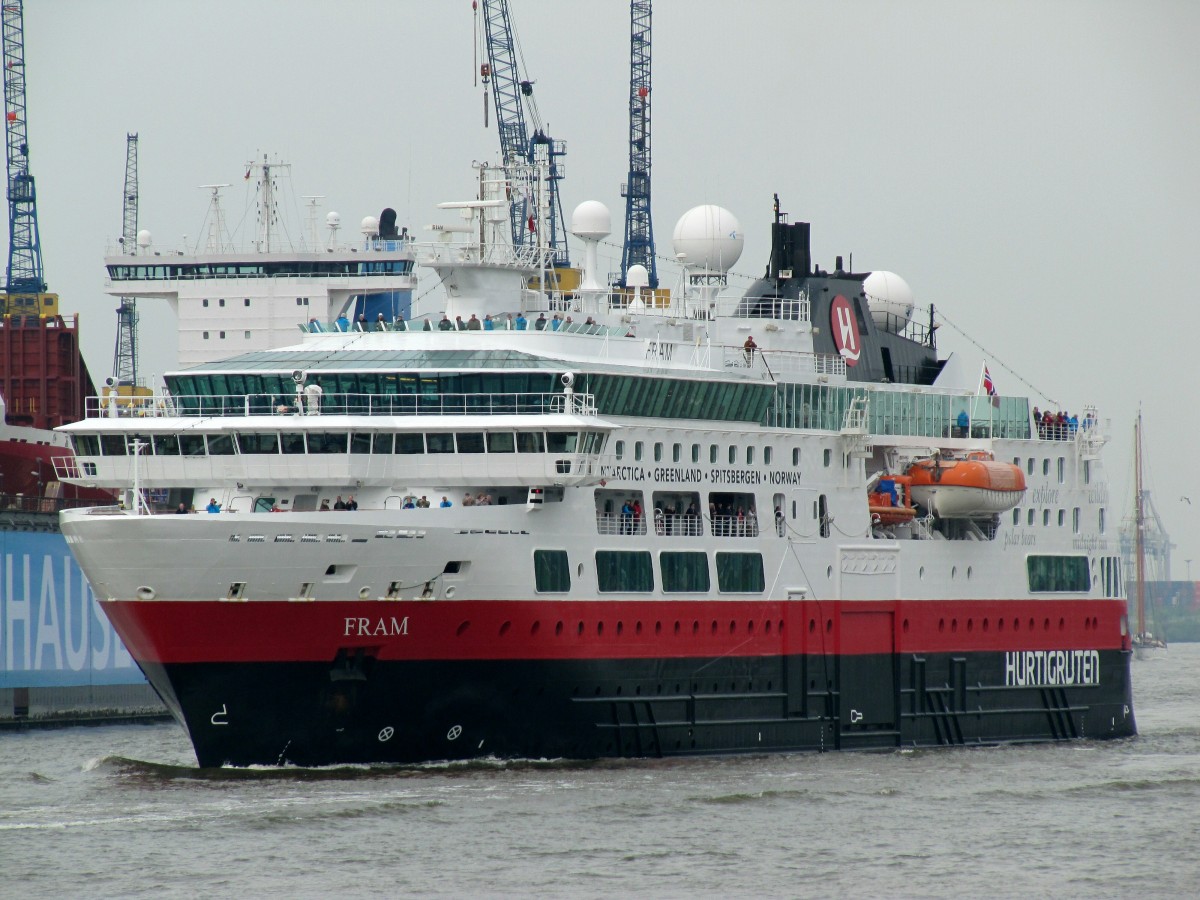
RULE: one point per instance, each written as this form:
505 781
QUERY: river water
120 811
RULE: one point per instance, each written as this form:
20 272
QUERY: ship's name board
1051 668
698 475
364 627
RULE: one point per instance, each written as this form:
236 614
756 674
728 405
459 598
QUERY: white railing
337 404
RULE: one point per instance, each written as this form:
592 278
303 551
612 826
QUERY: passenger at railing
483 500
445 324
409 503
522 323
780 523
399 324
626 518
312 398
213 506
339 503
660 522
590 321
360 324
182 510
567 323
445 504
1089 421
427 326
962 424
556 322
324 506
1072 425
459 324
342 323
488 324
473 324
637 516
540 324
423 503
380 323
467 499
351 503
748 348
315 326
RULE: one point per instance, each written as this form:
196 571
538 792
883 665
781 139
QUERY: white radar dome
333 219
370 225
591 219
708 238
637 276
143 238
890 300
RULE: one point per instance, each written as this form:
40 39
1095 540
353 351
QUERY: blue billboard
52 631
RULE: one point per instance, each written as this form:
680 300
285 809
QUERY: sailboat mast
1139 526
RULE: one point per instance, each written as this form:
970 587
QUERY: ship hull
407 682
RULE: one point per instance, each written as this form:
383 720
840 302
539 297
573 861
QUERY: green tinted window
740 573
684 572
1048 574
624 570
551 571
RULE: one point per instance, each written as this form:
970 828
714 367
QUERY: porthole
953 626
462 628
713 629
970 625
599 629
969 571
451 591
558 628
620 628
829 571
767 626
145 592
1062 624
1046 625
535 627
905 626
985 626
812 625
921 573
953 572
941 625
579 570
504 628
579 629
364 592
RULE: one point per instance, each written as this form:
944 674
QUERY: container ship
606 523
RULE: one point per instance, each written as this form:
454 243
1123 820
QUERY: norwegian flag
989 387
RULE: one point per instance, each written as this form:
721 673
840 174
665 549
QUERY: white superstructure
235 299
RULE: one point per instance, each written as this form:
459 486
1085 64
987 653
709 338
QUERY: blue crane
511 94
639 231
25 283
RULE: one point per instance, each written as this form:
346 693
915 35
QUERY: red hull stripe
283 631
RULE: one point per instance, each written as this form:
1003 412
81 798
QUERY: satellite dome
333 219
143 238
708 238
591 220
890 300
370 225
637 276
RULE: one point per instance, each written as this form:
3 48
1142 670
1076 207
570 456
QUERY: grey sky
1028 167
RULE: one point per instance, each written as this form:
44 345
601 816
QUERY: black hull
369 711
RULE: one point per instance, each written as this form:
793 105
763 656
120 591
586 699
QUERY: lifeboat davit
966 488
891 502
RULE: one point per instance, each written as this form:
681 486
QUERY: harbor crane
25 281
639 230
125 356
512 95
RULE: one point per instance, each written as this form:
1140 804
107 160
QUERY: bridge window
470 441
501 442
531 442
439 443
409 443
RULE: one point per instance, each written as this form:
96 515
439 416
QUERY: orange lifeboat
891 502
966 488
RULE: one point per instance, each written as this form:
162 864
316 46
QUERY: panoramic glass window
551 571
624 571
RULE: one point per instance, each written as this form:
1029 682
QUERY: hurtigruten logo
1051 668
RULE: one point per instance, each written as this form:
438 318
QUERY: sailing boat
1146 645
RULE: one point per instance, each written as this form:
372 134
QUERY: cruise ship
606 523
